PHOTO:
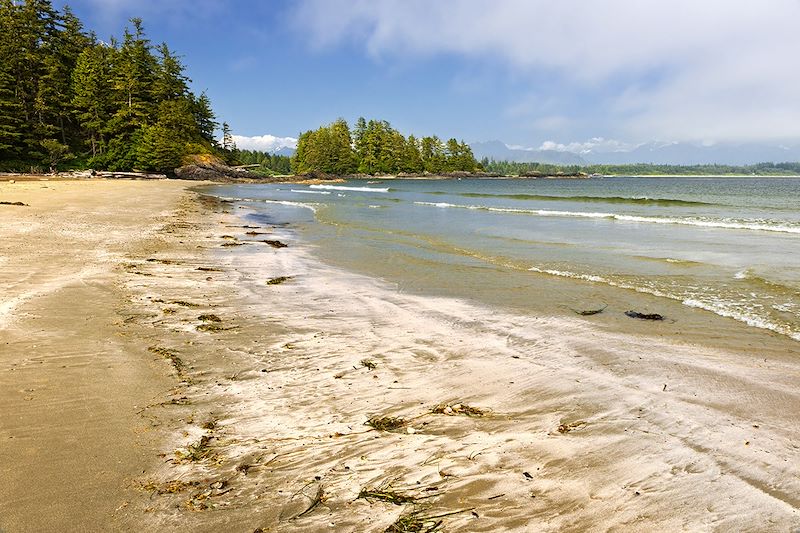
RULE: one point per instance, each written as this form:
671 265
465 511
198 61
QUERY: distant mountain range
653 152
285 151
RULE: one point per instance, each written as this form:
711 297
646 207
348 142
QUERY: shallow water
725 245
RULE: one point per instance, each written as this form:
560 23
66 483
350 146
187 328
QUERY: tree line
375 147
67 97
270 164
512 168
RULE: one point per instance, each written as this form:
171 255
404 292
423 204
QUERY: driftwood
644 316
129 175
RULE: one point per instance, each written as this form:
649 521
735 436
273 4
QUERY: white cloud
710 70
264 143
595 144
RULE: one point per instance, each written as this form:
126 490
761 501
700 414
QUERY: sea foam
309 192
688 221
718 308
343 188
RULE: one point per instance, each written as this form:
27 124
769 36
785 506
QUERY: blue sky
533 73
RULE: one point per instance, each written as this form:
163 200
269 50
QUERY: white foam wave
292 204
717 308
309 192
705 223
343 188
750 320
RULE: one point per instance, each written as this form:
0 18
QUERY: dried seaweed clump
566 428
457 409
198 451
172 355
168 487
387 423
368 364
279 280
417 522
384 493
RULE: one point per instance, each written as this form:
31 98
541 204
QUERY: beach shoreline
259 365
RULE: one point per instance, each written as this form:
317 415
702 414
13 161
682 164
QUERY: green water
728 246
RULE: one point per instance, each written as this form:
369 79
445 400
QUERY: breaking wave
751 225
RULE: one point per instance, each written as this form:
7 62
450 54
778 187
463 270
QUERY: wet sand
152 379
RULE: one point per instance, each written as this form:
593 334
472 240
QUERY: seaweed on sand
172 355
457 409
212 323
182 303
168 487
386 423
385 493
566 428
316 500
198 451
644 316
417 522
279 280
368 364
589 312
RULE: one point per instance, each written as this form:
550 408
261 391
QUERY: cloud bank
711 70
264 143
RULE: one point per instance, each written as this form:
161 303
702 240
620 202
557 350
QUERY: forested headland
68 99
375 147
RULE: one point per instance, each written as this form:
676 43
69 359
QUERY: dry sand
253 416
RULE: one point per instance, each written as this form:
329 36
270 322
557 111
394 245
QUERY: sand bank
249 408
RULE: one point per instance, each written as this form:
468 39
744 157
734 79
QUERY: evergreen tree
227 138
170 82
92 100
118 105
434 159
204 117
412 158
328 149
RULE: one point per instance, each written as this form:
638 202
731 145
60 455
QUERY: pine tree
133 68
170 83
60 52
11 112
92 101
227 138
412 159
204 117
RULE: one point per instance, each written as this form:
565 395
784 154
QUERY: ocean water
726 246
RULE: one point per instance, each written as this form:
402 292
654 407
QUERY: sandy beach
165 368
